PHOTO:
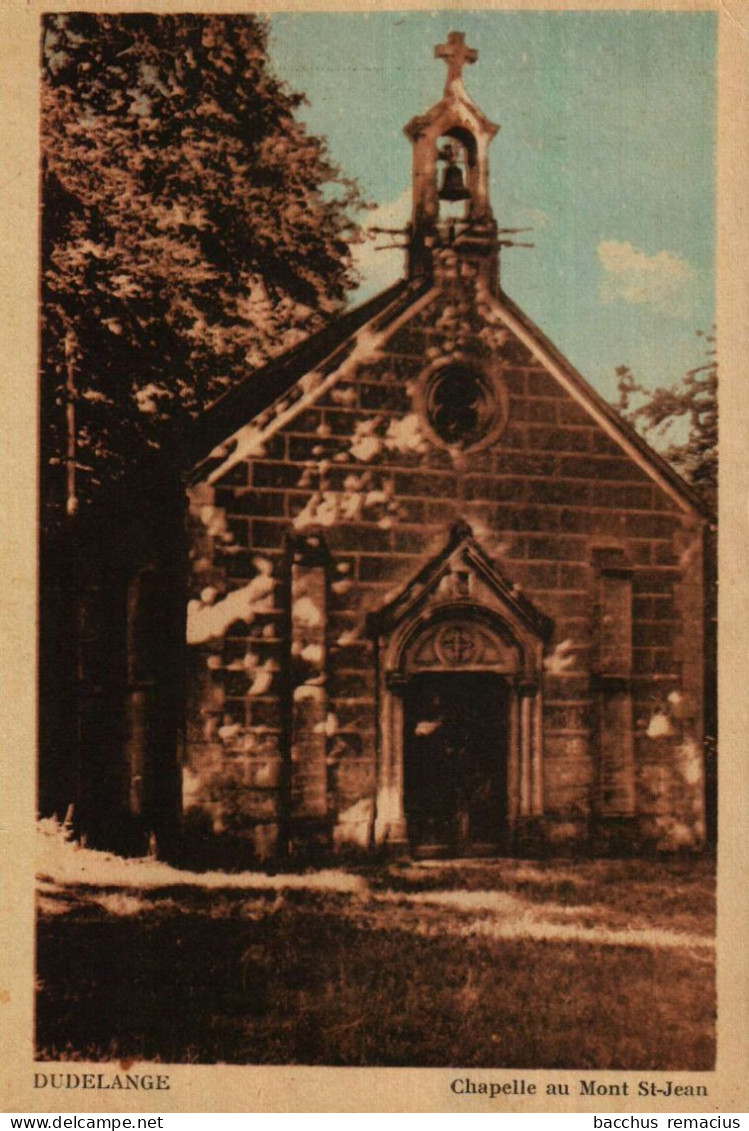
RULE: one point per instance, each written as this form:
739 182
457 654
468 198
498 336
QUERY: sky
606 150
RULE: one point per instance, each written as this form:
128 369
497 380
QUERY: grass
678 892
589 964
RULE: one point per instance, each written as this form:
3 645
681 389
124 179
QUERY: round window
463 406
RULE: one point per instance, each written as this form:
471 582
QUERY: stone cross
456 55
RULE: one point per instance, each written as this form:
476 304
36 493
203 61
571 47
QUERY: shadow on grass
679 891
300 984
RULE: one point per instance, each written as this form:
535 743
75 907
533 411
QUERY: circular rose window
463 406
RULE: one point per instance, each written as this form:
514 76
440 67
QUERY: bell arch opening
456 151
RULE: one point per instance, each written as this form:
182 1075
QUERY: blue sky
606 148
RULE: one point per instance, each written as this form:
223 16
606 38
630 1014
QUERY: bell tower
451 207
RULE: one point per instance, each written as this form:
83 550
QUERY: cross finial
456 55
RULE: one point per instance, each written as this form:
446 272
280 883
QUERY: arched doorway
456 739
459 656
457 744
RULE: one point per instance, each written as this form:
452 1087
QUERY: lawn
554 964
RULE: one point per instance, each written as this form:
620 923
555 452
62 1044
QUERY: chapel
442 600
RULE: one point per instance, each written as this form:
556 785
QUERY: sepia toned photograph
377 717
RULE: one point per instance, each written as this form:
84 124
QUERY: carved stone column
529 750
537 771
390 822
514 755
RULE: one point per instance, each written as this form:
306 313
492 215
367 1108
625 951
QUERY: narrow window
615 787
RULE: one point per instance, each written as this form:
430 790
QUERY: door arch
474 656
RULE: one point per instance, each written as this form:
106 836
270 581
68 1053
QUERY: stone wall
356 465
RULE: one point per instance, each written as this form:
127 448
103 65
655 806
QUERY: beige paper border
279 1089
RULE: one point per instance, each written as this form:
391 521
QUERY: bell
452 184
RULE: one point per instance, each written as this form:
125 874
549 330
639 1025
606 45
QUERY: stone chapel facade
442 598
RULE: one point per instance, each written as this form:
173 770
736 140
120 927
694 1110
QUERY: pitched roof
329 347
602 412
262 387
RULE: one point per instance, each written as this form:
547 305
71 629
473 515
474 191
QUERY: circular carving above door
458 644
459 639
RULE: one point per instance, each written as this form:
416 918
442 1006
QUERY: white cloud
664 281
381 268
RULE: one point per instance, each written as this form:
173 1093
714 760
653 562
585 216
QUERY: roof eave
261 387
660 465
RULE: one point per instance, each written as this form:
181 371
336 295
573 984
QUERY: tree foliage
191 228
689 407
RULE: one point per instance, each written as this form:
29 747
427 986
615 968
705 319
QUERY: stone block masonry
360 467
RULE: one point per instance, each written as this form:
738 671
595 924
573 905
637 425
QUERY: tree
657 413
191 229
